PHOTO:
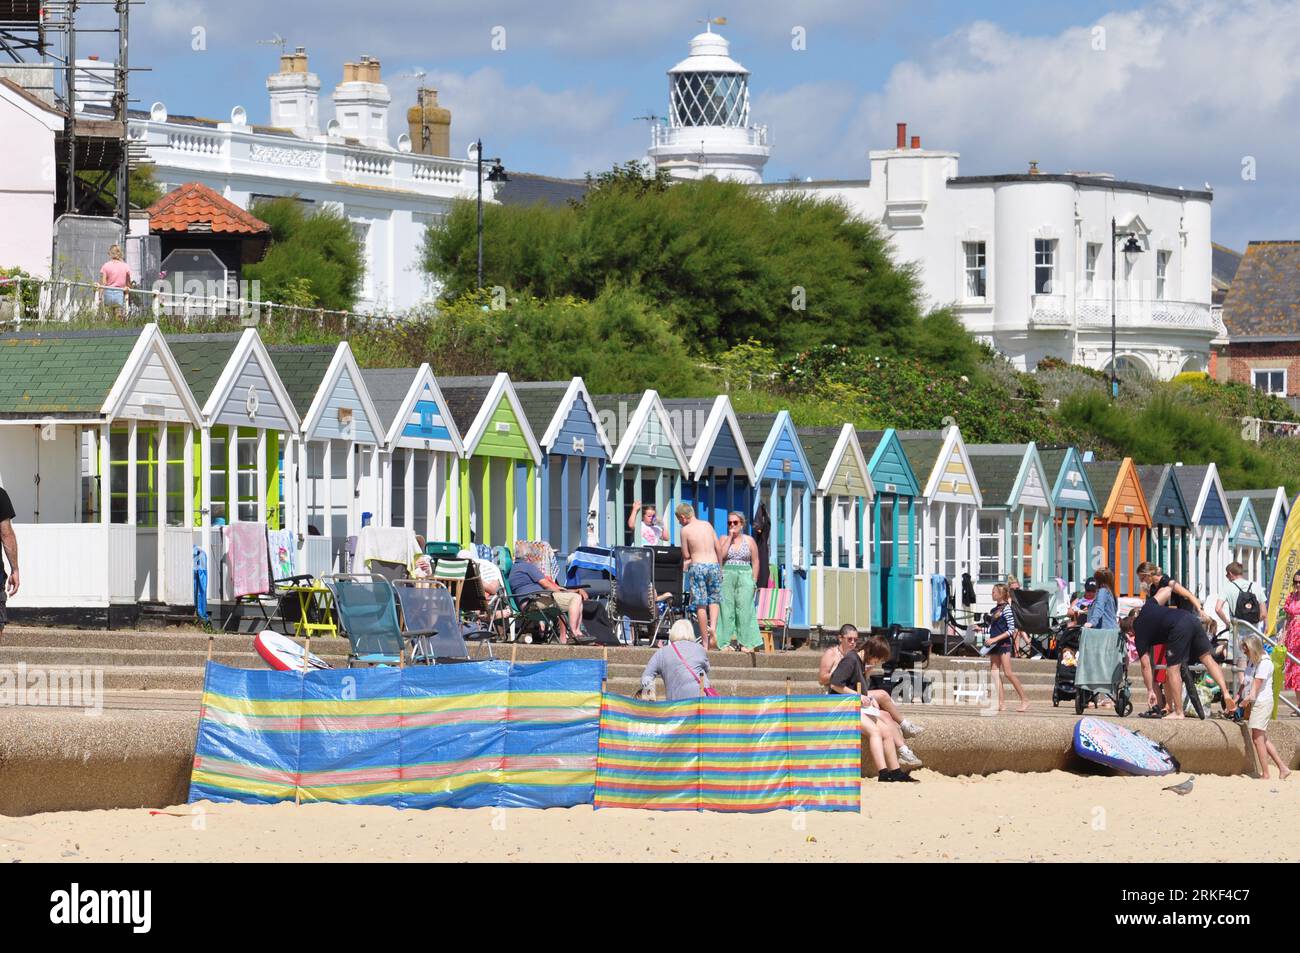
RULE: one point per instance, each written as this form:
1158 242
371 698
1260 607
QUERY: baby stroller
1067 664
1102 670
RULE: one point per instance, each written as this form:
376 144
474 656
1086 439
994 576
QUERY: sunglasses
733 522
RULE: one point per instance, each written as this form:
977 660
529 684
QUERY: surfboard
1111 744
284 654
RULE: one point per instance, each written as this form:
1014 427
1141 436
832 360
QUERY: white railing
1049 311
1146 313
367 163
196 144
661 135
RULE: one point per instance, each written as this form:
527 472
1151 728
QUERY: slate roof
195 204
1152 478
1223 268
301 368
870 440
1190 480
1102 474
1263 302
388 387
818 445
922 448
202 358
755 429
464 397
68 373
1262 500
540 400
699 408
1053 461
524 188
996 467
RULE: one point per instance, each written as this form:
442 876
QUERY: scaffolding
39 45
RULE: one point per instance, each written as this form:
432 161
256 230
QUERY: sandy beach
1053 816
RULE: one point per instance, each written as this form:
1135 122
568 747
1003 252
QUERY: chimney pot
916 142
902 135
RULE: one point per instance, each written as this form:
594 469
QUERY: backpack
1247 608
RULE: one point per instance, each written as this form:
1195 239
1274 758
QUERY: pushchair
1067 664
1102 670
1032 608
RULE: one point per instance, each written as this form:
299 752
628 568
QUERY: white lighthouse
708 131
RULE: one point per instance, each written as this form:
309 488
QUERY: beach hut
1123 520
498 491
1208 555
1074 507
1271 511
1015 520
649 463
1246 536
1171 519
420 464
575 452
97 440
247 447
950 501
338 450
840 576
785 488
893 516
720 474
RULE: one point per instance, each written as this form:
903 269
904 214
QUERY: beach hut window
420 518
948 539
147 482
246 475
397 498
990 549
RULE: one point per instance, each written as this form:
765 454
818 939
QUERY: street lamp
1132 248
497 173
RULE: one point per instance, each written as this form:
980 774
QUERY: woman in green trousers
738 553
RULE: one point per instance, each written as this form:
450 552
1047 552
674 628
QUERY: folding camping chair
773 607
591 567
367 610
271 601
431 622
632 599
515 618
1033 611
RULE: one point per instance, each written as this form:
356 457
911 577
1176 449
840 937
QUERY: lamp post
1132 248
497 173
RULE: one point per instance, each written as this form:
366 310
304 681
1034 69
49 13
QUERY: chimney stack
916 142
902 136
295 94
361 103
430 125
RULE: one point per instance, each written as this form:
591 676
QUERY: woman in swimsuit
738 620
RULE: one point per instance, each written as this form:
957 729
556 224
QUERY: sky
1170 92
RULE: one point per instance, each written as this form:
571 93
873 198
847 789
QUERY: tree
314 259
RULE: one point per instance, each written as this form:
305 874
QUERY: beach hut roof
472 400
1271 508
923 448
397 393
1065 466
755 429
708 427
465 397
1246 529
828 449
388 388
1203 492
997 466
775 447
1158 484
302 367
215 366
643 407
1103 474
68 373
547 404
202 358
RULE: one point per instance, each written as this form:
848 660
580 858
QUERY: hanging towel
967 590
246 555
390 544
284 553
762 528
200 583
939 597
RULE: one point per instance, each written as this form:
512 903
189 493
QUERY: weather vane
711 22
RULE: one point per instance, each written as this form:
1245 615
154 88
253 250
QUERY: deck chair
431 622
461 578
773 607
442 550
367 611
518 618
632 600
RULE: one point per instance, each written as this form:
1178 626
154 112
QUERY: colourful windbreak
482 734
730 754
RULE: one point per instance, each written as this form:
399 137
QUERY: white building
27 179
708 131
390 192
1025 259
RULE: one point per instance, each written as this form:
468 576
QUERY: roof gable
1246 529
194 204
1165 501
891 472
501 426
249 392
781 454
416 418
644 434
1071 488
846 472
554 408
951 475
342 409
711 436
151 385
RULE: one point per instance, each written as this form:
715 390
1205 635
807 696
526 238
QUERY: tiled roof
540 400
302 368
523 188
388 387
1152 477
1102 474
870 440
1262 500
1224 263
755 428
996 467
465 396
194 203
68 372
922 448
698 408
1053 460
1190 479
202 358
818 445
1263 302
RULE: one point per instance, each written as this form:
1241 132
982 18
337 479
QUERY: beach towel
939 596
246 557
200 583
1100 657
284 553
390 544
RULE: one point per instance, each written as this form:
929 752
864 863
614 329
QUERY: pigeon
1183 788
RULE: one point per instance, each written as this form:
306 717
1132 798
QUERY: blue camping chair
367 611
432 623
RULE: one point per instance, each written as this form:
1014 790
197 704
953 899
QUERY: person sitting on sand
849 678
891 717
1184 638
1258 701
998 643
